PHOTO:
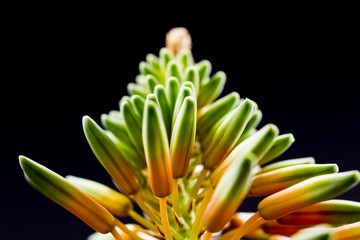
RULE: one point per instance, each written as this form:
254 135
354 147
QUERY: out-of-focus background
301 65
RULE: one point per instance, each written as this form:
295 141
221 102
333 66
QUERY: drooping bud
228 195
277 180
113 201
307 193
183 138
157 152
333 212
110 157
59 190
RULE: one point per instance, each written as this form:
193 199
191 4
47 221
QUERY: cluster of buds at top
189 158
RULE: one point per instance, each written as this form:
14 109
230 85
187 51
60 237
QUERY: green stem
197 186
141 220
199 214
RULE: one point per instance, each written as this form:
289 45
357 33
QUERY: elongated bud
281 144
133 124
173 69
227 134
136 89
333 212
257 144
113 201
204 68
228 195
183 93
287 163
183 138
67 195
347 232
211 114
185 57
172 90
157 150
160 93
211 89
191 74
121 139
307 193
165 56
250 126
277 180
110 157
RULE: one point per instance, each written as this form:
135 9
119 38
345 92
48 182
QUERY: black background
299 63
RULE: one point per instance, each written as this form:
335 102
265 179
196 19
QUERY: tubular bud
227 134
281 144
277 180
183 138
173 69
191 74
110 157
211 114
228 195
59 190
113 201
183 93
157 150
307 193
204 68
211 89
333 212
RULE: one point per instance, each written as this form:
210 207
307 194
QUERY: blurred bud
347 232
67 195
115 202
210 90
178 39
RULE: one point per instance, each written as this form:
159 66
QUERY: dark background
301 65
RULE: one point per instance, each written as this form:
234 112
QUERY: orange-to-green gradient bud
67 195
117 203
157 152
228 195
227 134
110 157
307 193
334 212
279 179
183 138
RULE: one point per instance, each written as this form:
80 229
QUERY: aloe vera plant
189 158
